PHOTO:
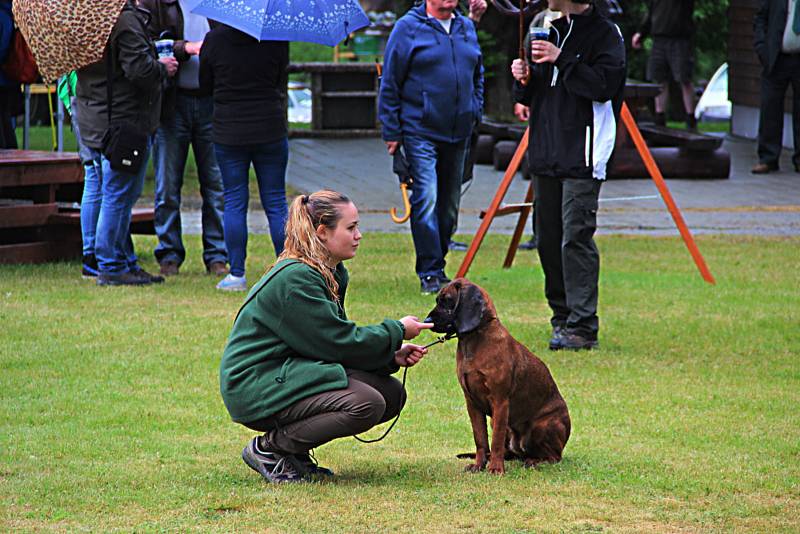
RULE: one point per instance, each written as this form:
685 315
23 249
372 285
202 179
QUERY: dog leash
440 339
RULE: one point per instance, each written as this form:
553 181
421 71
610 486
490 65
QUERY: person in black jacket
136 83
248 79
777 43
574 88
672 56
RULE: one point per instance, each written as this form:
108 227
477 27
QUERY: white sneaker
233 283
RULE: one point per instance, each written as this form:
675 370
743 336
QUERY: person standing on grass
247 79
185 120
574 88
295 367
136 81
431 96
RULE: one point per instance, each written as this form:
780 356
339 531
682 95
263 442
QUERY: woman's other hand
409 355
413 326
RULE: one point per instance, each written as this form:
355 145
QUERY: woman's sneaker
309 464
233 283
275 467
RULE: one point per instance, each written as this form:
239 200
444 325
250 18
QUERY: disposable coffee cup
539 33
164 48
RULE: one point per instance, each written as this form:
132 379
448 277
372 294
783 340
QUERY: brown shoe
169 268
217 268
764 168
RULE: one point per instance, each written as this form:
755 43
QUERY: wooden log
673 162
484 149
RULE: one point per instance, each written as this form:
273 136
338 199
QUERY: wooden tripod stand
524 209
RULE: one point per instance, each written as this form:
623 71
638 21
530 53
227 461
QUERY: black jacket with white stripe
575 103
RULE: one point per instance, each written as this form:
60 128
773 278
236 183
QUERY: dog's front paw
497 468
474 468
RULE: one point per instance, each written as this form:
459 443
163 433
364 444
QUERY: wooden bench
37 221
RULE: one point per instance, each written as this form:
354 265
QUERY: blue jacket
432 83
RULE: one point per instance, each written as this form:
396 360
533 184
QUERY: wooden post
498 198
652 168
655 174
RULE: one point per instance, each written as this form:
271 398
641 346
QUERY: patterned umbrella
66 35
313 21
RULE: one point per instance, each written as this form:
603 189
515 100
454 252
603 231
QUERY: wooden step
35 167
22 215
142 219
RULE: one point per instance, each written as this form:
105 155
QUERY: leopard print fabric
66 35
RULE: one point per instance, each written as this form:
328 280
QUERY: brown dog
502 379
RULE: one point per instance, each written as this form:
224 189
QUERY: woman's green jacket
291 340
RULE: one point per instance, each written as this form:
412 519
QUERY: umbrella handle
406 206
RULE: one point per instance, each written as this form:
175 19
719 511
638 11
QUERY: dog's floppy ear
469 311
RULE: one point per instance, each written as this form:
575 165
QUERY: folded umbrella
324 22
65 36
401 168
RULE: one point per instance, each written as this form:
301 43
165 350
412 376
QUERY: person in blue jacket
431 96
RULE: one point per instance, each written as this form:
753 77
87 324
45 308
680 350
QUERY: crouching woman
296 368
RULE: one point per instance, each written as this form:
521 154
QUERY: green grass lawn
686 419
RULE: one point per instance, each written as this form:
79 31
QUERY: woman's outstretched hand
409 355
413 326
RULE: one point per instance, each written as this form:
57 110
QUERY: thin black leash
441 339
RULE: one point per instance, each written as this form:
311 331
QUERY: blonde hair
306 214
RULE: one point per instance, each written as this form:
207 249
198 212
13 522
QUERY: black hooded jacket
575 103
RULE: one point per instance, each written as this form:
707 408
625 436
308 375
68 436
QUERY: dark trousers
566 219
773 92
369 399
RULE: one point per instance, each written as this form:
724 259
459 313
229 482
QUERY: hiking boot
573 341
89 266
558 335
144 275
121 279
429 285
217 268
443 279
309 464
274 466
233 283
169 268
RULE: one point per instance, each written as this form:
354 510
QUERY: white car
299 102
714 104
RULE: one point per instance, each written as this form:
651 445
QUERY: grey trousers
566 219
369 399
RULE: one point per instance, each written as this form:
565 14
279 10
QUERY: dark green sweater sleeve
312 325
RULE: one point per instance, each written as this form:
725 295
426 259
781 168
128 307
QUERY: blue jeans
92 187
120 191
190 125
437 170
269 161
90 204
